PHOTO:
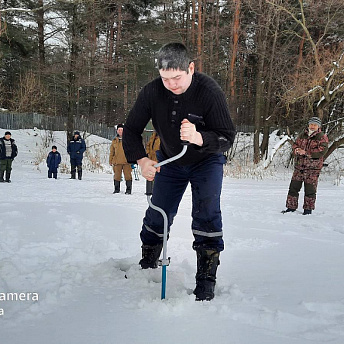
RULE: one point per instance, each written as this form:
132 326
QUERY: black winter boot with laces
207 263
150 256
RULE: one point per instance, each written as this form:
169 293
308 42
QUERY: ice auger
149 191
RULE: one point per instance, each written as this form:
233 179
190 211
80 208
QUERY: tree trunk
300 58
199 37
118 34
110 68
187 23
259 101
72 73
125 89
217 33
232 75
268 115
92 37
193 22
40 24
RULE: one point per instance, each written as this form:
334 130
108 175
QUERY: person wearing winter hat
309 150
119 163
53 162
315 120
8 151
76 148
183 105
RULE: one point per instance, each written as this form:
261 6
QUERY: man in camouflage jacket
309 150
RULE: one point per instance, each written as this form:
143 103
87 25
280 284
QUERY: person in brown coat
152 146
309 150
119 162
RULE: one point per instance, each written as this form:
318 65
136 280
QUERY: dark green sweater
204 99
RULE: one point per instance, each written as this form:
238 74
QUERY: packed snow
69 252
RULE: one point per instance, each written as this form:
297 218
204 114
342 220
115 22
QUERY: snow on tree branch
24 10
274 150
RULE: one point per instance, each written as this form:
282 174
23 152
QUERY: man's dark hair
173 56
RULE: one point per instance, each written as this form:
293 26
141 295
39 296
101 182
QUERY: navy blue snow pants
52 172
205 178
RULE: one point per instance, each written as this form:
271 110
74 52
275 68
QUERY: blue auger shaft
149 191
164 252
163 282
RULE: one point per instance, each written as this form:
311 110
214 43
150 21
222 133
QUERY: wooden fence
57 123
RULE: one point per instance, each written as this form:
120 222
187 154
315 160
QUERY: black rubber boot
207 263
129 184
8 176
73 172
307 212
117 185
79 172
288 210
150 256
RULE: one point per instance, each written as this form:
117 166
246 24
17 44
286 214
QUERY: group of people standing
9 150
75 148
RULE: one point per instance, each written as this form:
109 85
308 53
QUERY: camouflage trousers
310 180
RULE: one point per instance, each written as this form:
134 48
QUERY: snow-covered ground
72 243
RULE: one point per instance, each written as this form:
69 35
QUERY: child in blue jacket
53 161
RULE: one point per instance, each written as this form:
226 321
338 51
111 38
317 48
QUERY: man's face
313 127
176 80
120 131
7 137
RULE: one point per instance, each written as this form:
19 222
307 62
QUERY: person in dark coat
53 162
309 150
8 151
76 149
183 105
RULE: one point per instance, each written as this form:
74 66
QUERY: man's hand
300 151
147 168
189 133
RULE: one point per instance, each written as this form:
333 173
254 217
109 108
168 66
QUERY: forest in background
278 61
